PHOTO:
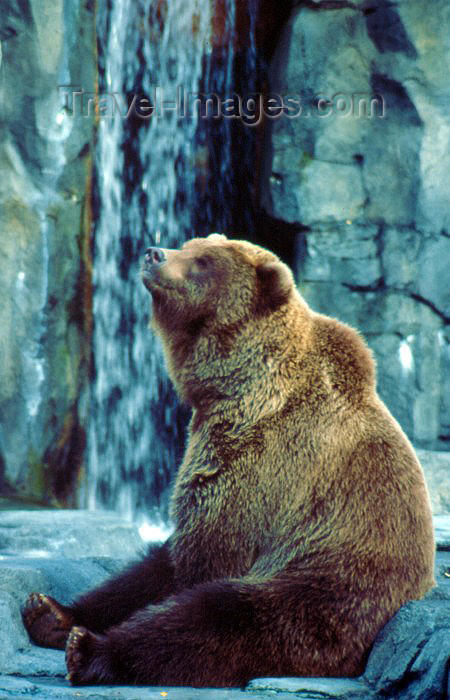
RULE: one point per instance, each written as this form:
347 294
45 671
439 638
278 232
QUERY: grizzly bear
302 519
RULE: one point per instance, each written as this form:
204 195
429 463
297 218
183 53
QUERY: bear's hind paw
87 658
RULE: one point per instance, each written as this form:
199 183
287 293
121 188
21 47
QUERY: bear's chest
216 508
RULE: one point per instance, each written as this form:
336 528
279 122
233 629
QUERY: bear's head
224 281
226 312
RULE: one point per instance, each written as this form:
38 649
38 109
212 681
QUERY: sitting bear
302 519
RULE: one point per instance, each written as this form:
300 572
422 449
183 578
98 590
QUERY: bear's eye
202 263
200 266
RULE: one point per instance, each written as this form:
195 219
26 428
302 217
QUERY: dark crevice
379 242
5 489
280 236
301 252
427 302
386 30
377 286
380 286
64 460
7 33
396 98
326 5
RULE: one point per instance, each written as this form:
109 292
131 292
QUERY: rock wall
45 169
370 189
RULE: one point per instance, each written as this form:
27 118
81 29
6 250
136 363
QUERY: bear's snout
154 259
154 256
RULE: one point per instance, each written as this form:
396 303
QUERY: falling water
136 427
155 177
225 195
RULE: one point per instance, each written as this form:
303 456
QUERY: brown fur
302 519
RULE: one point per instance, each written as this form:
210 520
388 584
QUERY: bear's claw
87 658
74 653
47 622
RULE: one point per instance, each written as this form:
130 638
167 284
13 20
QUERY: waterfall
156 179
225 195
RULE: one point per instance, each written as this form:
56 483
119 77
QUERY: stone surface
11 687
409 655
45 165
62 578
63 553
371 191
442 531
67 533
410 658
436 466
345 688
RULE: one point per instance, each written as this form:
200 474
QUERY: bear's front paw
87 658
48 623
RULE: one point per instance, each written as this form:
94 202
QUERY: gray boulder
410 658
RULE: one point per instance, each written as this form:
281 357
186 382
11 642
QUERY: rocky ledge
67 552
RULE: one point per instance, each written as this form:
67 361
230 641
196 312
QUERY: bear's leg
218 634
148 581
194 638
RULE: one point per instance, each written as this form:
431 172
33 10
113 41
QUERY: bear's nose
154 256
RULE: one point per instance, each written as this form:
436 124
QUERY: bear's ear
275 284
217 237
